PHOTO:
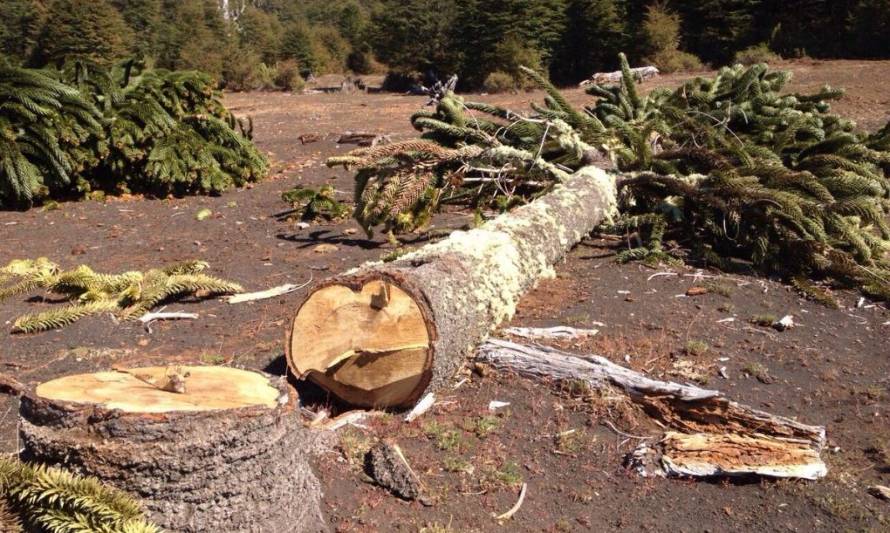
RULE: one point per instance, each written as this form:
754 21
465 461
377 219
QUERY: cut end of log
370 345
207 388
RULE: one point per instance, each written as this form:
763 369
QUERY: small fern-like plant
128 295
55 500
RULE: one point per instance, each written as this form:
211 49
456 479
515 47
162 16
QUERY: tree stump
381 335
228 453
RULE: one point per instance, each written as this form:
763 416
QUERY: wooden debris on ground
11 386
281 290
708 434
351 418
308 138
509 514
880 492
552 333
640 73
363 139
424 405
388 467
784 323
732 454
150 317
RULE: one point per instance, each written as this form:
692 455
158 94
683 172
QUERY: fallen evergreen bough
88 128
54 500
731 164
128 295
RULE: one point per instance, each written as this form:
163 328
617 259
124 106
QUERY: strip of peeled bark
229 454
382 334
714 435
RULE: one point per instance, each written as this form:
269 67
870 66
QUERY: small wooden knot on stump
227 454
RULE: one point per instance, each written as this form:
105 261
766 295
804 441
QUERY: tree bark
215 458
382 334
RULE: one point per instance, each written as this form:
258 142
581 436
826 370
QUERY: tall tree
812 27
594 35
143 18
20 27
260 32
491 35
716 29
870 26
193 35
82 29
414 35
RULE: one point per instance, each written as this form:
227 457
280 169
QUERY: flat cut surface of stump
206 388
229 454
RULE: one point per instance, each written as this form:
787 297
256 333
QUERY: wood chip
422 407
281 290
509 514
556 332
325 248
880 491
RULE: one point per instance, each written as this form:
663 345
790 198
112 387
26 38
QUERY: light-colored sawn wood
204 448
370 345
206 388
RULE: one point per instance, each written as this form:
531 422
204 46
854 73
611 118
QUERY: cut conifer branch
740 170
228 452
52 499
129 295
381 335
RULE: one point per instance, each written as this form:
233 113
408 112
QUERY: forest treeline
249 44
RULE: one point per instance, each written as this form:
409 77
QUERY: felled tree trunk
228 453
382 334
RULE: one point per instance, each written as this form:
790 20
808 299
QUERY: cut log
382 334
227 454
712 436
639 73
363 139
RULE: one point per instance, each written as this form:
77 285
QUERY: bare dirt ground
833 369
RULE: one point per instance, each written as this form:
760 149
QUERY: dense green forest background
251 44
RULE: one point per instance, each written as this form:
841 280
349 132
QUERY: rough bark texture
469 283
244 469
715 436
386 464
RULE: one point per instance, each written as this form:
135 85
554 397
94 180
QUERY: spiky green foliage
127 295
9 519
731 164
44 126
311 204
117 129
57 501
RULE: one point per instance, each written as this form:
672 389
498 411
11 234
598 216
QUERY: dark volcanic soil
833 369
